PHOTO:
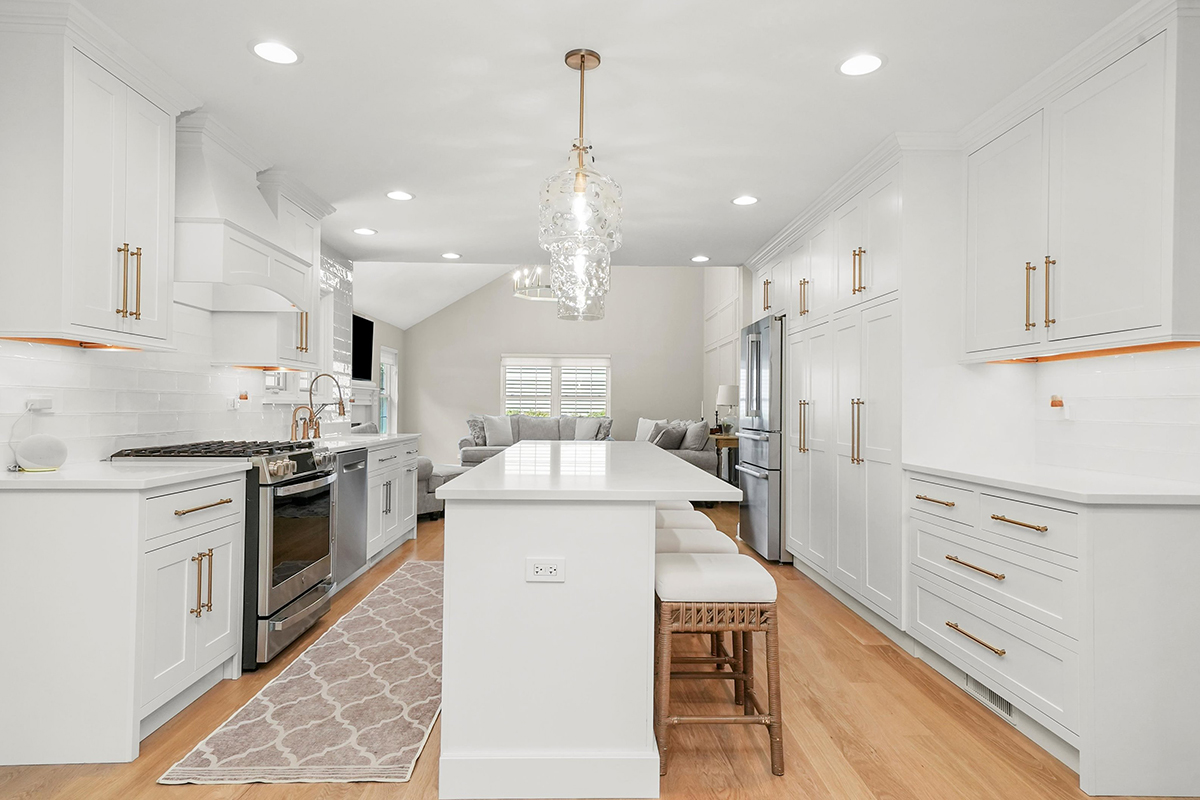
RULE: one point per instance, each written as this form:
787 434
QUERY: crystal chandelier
532 283
580 220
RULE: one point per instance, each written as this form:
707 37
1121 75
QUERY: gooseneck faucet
314 411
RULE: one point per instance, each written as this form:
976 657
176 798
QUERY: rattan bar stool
683 519
713 593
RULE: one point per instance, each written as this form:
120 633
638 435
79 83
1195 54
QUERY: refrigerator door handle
758 437
752 472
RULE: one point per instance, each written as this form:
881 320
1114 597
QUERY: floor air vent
994 701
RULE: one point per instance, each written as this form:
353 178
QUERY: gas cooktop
215 449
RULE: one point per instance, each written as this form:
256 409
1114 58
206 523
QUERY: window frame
556 364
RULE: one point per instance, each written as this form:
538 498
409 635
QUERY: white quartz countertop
570 470
1075 485
354 441
92 475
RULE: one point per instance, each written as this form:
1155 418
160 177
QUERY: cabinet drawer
393 455
951 502
1035 671
1042 591
1041 526
178 511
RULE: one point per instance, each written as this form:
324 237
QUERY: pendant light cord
582 72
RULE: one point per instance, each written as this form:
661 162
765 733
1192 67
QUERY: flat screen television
362 349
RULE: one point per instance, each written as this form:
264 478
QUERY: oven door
294 543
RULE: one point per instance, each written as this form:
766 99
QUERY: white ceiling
468 104
405 294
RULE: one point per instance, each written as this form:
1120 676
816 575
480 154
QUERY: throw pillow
696 437
586 428
475 426
605 428
668 437
645 427
566 428
498 430
538 429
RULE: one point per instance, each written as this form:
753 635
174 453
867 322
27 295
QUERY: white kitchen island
549 619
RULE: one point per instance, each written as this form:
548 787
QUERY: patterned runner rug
357 705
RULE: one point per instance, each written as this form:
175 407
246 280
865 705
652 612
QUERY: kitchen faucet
315 412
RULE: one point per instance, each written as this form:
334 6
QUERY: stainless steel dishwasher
350 516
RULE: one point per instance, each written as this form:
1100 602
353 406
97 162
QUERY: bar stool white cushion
674 505
693 540
682 519
712 578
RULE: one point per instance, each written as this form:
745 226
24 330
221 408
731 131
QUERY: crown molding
101 43
282 182
1135 26
200 124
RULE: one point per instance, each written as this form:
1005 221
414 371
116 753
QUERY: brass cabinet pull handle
1000 651
388 458
1030 525
997 575
803 444
803 296
185 511
1029 267
856 431
387 497
300 331
854 271
1049 320
124 309
209 554
306 331
767 294
137 302
946 503
198 560
862 285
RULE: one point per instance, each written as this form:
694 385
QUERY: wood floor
862 719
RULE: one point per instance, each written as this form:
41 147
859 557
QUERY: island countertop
568 470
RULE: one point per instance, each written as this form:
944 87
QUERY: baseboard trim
509 776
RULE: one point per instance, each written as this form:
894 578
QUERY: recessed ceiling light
399 195
275 52
861 65
699 259
744 200
451 256
366 231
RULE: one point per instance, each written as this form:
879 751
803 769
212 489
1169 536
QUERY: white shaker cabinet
866 399
101 234
391 495
867 242
810 489
1080 217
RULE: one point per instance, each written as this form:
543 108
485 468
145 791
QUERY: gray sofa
429 478
524 428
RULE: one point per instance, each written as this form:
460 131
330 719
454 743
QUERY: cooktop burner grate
215 449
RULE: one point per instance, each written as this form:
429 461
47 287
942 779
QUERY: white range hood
248 237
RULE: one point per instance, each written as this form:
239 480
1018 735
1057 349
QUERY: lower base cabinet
391 495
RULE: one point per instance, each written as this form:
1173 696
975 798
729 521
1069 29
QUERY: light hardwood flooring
862 719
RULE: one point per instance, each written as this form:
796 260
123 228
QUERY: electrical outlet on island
545 570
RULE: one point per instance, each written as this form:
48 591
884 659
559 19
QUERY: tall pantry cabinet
844 478
89 225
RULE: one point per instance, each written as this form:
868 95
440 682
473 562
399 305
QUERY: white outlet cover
545 570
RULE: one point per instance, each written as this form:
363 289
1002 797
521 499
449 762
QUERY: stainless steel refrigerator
760 438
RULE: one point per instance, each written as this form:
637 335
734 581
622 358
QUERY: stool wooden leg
739 689
662 685
715 644
748 671
774 700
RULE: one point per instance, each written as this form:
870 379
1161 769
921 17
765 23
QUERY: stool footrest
715 720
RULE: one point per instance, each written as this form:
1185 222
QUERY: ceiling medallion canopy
580 220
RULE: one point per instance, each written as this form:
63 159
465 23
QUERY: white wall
106 401
1136 414
723 322
652 328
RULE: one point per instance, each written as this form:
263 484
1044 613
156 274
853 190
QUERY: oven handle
296 488
304 615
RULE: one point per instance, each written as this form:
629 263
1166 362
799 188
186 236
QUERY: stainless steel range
289 532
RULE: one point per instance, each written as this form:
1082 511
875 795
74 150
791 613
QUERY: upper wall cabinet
1078 215
88 214
867 237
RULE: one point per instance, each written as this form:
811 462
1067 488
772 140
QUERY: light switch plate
545 570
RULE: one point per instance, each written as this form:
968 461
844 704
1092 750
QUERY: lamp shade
727 394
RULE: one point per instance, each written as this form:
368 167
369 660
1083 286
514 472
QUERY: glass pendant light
533 283
580 220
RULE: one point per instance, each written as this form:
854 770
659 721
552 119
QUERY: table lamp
727 395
